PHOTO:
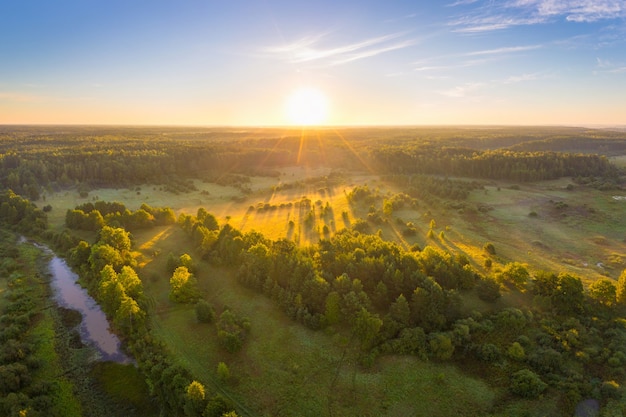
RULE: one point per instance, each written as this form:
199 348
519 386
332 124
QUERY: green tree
332 311
569 296
186 261
102 255
400 311
183 286
366 327
527 384
204 311
603 290
516 352
110 289
129 315
441 346
515 273
131 282
194 399
116 237
488 289
223 373
490 248
217 407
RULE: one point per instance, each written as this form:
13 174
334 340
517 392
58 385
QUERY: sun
306 106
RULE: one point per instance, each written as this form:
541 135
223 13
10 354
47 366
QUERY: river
94 327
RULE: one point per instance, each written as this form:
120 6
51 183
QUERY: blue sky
376 62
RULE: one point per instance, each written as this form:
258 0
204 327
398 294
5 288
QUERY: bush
488 289
223 373
516 352
489 248
489 352
527 384
204 312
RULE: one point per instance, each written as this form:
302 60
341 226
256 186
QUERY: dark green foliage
232 331
527 384
204 312
488 352
20 214
217 407
488 289
93 216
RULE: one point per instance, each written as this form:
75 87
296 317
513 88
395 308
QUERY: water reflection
94 328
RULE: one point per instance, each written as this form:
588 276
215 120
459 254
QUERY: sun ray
354 152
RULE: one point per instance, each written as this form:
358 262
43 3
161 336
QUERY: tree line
490 164
31 163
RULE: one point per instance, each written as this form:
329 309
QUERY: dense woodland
571 343
34 160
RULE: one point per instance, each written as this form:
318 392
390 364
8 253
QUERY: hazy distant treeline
495 164
31 159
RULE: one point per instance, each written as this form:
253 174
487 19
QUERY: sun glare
307 107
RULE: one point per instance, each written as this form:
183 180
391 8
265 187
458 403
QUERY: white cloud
607 66
461 91
310 49
374 52
504 50
461 3
514 79
454 61
490 16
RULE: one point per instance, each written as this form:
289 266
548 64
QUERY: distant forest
57 157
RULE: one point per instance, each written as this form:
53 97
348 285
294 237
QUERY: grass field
285 369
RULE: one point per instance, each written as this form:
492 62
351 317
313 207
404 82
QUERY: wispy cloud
470 90
461 3
461 91
606 66
490 16
504 50
373 52
311 48
470 59
515 79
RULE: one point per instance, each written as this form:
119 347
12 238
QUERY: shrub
223 373
488 289
527 384
516 352
204 312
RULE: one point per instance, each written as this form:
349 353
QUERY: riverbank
33 378
45 368
105 381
